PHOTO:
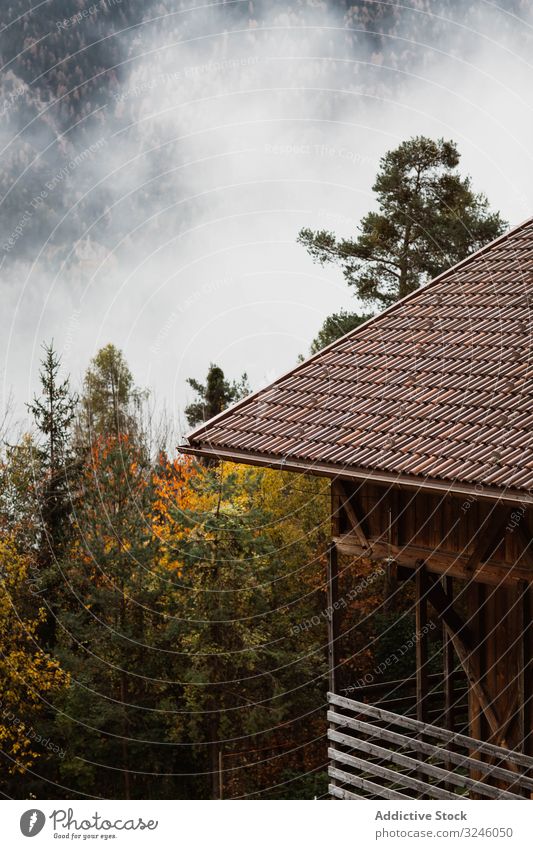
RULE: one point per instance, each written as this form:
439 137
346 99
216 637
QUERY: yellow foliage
27 674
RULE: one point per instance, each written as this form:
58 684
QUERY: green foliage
395 636
241 657
215 395
29 677
54 411
297 786
110 401
113 626
335 326
428 218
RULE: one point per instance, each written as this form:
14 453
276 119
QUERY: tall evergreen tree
428 218
53 412
214 395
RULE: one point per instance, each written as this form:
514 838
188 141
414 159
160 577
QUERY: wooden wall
485 547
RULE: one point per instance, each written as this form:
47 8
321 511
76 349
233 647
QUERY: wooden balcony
377 754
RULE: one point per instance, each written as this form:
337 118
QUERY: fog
172 204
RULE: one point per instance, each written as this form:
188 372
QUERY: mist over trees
163 622
170 634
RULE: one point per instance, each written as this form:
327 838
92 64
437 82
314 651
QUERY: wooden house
422 418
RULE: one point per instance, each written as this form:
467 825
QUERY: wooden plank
395 777
524 665
395 758
340 793
439 773
431 730
448 664
429 749
364 784
333 614
422 659
437 561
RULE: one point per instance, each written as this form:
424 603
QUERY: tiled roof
438 388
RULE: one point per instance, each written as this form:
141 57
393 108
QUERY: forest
163 621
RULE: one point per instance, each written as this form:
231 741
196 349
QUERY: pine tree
53 412
335 326
215 395
429 218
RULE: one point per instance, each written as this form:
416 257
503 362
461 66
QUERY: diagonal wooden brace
351 514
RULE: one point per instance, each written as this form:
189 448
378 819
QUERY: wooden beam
525 695
462 642
448 670
524 532
479 690
444 607
332 615
351 514
421 615
487 540
448 664
437 561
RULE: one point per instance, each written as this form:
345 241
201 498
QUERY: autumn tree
428 218
114 624
117 605
29 678
110 401
243 675
20 504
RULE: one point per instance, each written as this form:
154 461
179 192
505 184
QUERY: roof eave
330 470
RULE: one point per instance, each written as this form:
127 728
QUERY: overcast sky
220 142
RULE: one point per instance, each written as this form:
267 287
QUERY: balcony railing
375 753
400 697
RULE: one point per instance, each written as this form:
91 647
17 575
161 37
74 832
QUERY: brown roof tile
438 389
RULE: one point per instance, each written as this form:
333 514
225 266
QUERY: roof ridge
194 434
